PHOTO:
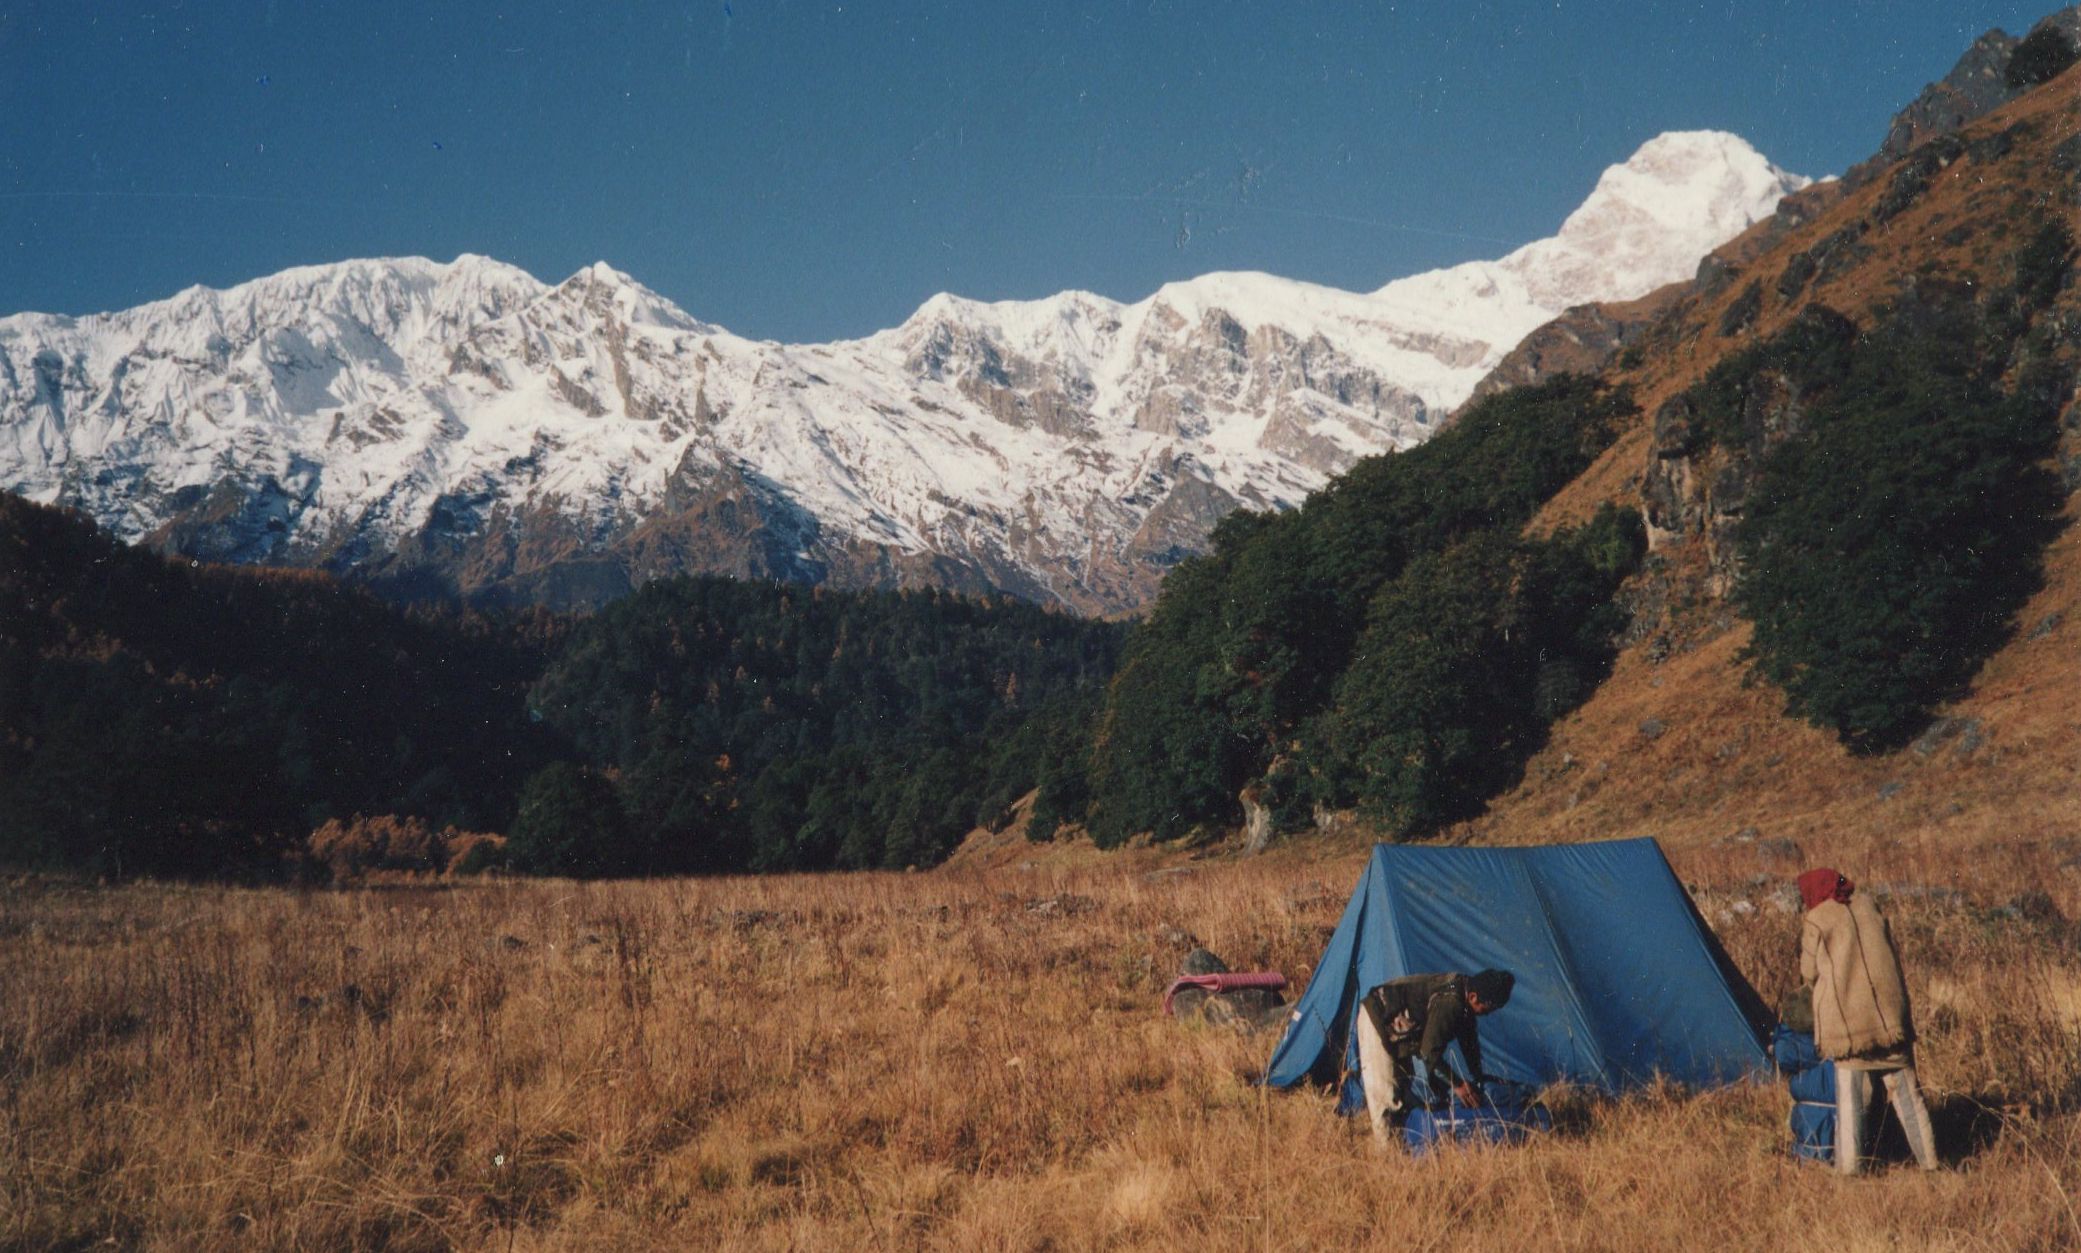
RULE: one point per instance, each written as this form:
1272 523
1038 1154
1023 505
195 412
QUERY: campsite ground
965 1058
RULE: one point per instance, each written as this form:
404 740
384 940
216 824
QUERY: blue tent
1618 979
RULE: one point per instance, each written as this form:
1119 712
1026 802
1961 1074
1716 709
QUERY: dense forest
162 718
772 727
1397 646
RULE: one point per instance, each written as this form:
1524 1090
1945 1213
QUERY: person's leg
1376 1073
1906 1097
1849 1118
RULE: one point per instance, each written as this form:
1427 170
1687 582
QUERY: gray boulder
1241 1009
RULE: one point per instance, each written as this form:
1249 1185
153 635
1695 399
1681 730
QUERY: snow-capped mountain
465 427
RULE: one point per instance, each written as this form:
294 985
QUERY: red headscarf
1824 884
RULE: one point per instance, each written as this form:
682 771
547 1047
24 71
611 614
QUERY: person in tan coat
1862 1019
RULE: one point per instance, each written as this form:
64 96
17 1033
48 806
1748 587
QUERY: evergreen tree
1426 702
570 823
1164 758
1466 658
757 726
162 718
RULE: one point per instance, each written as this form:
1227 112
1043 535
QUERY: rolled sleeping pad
1228 981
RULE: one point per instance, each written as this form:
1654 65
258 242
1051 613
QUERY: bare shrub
472 852
387 846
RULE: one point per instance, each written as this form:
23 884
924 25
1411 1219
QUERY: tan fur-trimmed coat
1860 999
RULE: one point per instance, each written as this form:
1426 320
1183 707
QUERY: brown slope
1679 742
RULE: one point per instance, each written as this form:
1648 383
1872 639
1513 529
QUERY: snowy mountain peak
608 291
941 307
1645 225
473 273
1014 320
375 290
1678 195
1696 166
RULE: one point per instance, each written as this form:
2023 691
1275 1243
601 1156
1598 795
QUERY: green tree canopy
1884 553
570 823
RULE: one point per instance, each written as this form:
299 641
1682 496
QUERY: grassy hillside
1852 445
1683 741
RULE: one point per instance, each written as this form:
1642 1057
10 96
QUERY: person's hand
1465 1091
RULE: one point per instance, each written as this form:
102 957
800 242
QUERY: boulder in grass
1251 1002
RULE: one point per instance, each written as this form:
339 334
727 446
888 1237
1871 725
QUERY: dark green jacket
1418 1015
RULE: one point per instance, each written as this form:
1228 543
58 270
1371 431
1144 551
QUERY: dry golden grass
947 1060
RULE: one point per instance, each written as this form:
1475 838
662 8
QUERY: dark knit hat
1492 986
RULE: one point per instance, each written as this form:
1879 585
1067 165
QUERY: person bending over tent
1862 1020
1417 1016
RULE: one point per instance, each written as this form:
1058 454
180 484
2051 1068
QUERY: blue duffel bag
1812 1081
1507 1113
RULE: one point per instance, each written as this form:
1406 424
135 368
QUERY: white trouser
1853 1095
1378 1076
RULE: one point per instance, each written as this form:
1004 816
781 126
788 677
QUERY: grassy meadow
967 1058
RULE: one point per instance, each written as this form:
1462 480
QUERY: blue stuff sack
1509 1114
1812 1081
1813 1132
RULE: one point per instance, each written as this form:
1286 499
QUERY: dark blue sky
803 170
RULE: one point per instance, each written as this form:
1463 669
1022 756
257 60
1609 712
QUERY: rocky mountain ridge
464 428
